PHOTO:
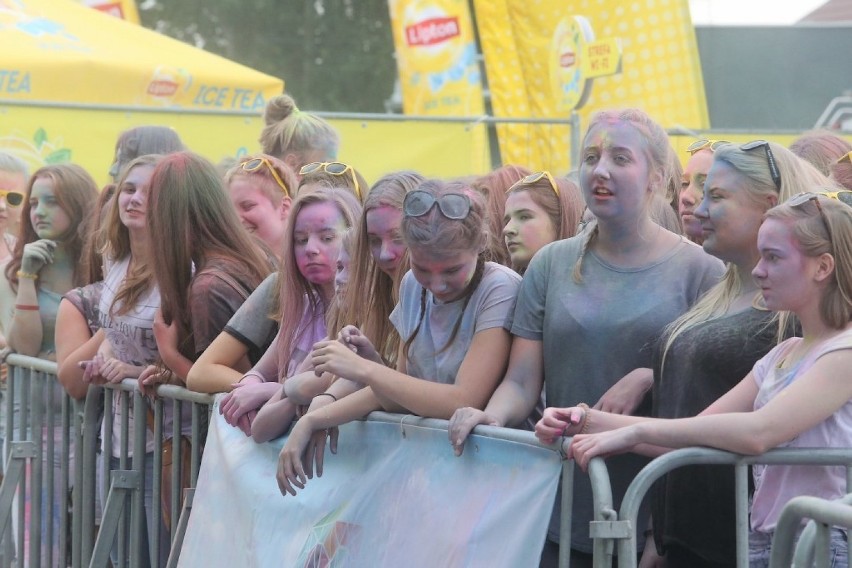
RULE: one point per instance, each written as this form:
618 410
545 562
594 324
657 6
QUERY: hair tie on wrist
27 307
27 275
327 394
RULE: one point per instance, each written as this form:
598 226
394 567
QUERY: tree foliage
334 55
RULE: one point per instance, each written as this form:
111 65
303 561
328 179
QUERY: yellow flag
436 57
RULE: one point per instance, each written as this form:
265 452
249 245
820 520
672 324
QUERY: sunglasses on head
335 169
534 177
770 159
13 198
452 205
699 145
844 196
256 163
845 158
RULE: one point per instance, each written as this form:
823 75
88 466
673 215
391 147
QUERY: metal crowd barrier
128 507
624 530
813 545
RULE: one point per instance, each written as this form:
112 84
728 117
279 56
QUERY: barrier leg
19 453
174 555
124 482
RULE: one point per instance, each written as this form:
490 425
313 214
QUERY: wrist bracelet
584 429
27 275
27 307
327 394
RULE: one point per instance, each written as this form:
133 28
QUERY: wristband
27 275
327 394
27 307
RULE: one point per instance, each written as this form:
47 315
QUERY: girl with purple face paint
539 209
317 223
450 315
625 277
380 259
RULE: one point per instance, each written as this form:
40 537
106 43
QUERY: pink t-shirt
274 366
775 485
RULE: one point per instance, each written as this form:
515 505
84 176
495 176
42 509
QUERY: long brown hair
191 220
76 194
494 186
295 293
117 245
372 294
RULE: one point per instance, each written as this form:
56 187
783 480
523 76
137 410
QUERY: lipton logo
162 88
567 59
432 31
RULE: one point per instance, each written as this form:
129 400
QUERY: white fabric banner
392 496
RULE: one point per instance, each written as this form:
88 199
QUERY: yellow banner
67 53
541 59
437 57
41 135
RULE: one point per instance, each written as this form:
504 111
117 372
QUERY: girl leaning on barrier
590 305
450 315
797 396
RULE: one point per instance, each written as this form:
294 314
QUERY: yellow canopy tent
72 78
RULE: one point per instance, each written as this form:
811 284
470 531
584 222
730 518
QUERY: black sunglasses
770 159
452 205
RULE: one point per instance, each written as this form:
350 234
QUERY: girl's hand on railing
115 370
92 370
246 397
151 377
584 447
557 422
462 423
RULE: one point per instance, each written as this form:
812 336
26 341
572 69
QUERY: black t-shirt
693 507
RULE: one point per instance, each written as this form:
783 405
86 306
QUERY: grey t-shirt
252 325
597 331
489 307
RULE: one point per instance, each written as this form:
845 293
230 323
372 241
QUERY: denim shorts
760 548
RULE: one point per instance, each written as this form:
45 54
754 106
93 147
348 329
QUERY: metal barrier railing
813 545
134 504
42 436
624 531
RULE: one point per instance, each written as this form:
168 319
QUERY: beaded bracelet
27 275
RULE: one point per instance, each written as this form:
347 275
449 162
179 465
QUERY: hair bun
278 108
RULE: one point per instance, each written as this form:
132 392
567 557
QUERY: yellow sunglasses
13 198
335 169
256 163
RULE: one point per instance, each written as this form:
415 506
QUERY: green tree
334 55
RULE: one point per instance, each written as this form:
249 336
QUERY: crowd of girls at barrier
310 299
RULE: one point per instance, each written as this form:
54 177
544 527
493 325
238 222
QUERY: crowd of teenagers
633 304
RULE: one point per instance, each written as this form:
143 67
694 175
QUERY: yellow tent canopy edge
68 53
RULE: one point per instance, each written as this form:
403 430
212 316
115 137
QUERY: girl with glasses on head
590 306
261 188
539 209
450 315
795 396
